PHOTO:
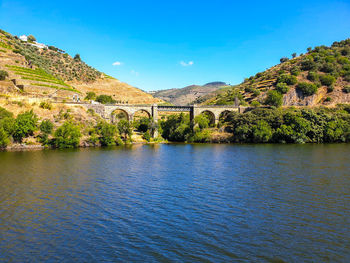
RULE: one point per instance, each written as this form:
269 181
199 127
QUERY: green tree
262 132
26 124
46 128
107 133
67 136
274 98
202 121
124 129
4 138
31 38
77 58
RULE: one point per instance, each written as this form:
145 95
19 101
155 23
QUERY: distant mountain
188 95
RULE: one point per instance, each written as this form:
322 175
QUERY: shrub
274 98
67 136
328 99
306 88
295 71
147 136
77 57
346 89
282 88
105 99
202 120
312 76
4 138
294 55
90 96
107 133
31 38
46 126
327 80
327 68
26 124
288 79
284 59
255 103
45 105
124 128
3 74
308 64
330 88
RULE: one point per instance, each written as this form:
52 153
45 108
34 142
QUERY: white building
35 44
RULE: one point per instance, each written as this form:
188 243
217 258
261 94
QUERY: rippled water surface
177 203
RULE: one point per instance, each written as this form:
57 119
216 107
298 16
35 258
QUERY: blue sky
171 44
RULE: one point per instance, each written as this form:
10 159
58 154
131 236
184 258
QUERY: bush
327 80
3 74
312 76
107 133
282 88
274 98
306 88
284 59
4 138
255 103
124 128
46 126
90 96
262 132
26 124
288 79
31 38
327 68
202 121
308 64
105 99
67 136
295 71
330 88
45 105
346 89
328 99
147 136
77 57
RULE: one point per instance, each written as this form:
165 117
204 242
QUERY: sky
157 45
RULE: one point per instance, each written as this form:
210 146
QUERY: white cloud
117 63
186 64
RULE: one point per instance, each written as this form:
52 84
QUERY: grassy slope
331 61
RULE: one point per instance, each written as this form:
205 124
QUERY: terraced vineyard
43 78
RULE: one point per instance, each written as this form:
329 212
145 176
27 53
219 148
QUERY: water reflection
178 202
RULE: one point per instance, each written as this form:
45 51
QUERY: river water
177 203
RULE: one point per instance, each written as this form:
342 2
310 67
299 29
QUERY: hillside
47 72
188 95
319 77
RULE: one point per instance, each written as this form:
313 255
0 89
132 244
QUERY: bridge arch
211 115
141 113
118 114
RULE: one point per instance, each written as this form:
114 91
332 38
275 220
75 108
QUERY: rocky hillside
319 77
190 94
47 72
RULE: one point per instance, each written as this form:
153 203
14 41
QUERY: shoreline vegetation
260 125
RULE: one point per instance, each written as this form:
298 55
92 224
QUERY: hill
319 77
190 94
47 72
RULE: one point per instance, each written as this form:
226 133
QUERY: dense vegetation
67 135
327 67
264 125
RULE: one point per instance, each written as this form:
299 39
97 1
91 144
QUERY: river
177 203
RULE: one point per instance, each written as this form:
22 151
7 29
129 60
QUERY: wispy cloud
134 72
117 63
186 64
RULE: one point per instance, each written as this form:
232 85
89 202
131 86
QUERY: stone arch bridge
106 111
